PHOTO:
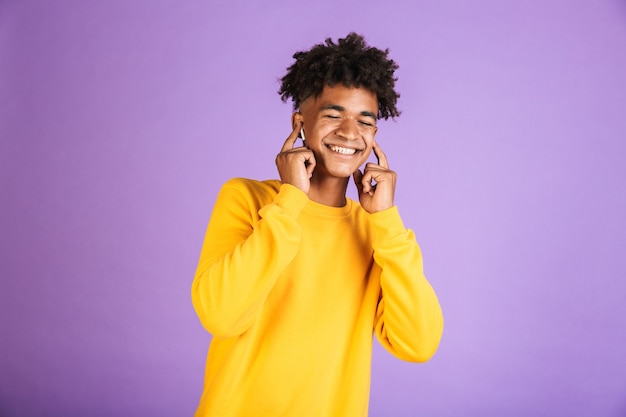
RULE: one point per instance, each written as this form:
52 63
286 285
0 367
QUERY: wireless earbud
302 134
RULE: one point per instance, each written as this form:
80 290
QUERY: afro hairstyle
350 62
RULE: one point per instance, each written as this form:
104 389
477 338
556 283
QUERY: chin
343 173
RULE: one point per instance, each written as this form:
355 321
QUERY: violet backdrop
120 120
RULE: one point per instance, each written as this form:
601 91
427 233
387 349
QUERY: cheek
323 129
366 155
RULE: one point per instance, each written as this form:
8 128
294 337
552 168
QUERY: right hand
295 165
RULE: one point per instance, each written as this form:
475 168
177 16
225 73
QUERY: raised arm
245 250
409 321
252 236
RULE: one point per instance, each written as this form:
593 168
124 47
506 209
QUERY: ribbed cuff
387 224
291 199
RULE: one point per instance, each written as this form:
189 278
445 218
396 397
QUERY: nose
348 129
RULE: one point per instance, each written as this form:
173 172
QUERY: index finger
291 140
380 155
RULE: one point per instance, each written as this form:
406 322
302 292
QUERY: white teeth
339 149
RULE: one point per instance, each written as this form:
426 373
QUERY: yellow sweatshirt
292 290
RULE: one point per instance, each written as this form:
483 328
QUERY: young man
294 277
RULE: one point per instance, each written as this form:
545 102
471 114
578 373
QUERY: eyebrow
342 109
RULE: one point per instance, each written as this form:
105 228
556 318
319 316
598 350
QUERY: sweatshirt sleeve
243 255
409 321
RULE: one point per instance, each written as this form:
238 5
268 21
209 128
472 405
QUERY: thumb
358 176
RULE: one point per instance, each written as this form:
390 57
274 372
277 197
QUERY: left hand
376 184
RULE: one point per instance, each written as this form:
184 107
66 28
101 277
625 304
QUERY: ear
296 118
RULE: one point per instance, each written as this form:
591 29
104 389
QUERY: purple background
120 120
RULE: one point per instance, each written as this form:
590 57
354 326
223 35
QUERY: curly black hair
350 62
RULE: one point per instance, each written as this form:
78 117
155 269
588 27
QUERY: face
339 126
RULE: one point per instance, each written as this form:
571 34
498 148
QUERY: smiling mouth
342 150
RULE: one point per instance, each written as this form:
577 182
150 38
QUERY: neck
328 191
